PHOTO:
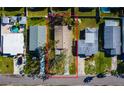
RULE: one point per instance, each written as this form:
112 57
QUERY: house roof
5 20
13 43
87 46
112 39
60 36
23 20
37 37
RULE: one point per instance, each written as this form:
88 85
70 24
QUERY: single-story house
89 45
112 37
60 38
37 37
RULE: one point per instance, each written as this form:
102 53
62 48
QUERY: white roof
13 43
90 38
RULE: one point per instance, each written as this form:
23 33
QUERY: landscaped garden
98 64
6 65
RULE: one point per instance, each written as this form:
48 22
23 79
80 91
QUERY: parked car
88 79
101 75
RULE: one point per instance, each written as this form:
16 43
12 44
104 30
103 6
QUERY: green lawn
36 21
40 12
6 65
98 64
13 11
86 13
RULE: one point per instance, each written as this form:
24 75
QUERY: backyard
38 21
114 12
98 64
83 12
37 12
66 11
6 65
13 11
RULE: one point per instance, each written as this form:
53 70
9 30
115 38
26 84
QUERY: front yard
6 65
98 64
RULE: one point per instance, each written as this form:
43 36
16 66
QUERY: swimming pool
14 29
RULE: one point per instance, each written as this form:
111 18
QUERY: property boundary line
76 33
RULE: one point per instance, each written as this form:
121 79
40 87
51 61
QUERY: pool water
14 29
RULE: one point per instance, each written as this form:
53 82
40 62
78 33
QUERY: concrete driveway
81 66
67 38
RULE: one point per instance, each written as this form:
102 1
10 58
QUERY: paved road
110 80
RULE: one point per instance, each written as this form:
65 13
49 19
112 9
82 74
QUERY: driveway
114 63
81 66
67 38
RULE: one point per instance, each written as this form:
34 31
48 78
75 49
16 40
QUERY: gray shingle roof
37 37
112 39
88 48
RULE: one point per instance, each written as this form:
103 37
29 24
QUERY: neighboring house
89 45
37 37
12 44
122 34
60 38
12 38
112 37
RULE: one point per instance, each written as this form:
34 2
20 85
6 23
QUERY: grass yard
62 11
12 11
6 65
38 12
98 64
86 13
36 21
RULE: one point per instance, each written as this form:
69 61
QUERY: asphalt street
26 81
